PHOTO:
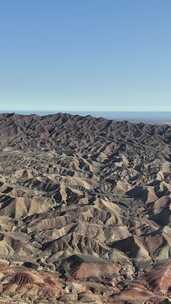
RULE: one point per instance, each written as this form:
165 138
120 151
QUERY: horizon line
83 111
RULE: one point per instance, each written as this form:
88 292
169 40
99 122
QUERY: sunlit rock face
85 210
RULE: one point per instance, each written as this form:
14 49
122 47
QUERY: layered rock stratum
85 210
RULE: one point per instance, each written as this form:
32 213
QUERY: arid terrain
85 210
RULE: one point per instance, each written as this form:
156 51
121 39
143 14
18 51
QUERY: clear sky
106 55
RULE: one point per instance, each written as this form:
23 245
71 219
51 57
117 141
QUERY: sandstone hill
85 210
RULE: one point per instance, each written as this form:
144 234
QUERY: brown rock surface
89 188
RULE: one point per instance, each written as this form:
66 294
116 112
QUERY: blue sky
106 55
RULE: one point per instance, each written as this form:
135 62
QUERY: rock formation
85 210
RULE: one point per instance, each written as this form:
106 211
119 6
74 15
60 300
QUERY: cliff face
85 210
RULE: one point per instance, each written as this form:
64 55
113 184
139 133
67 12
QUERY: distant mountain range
146 116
